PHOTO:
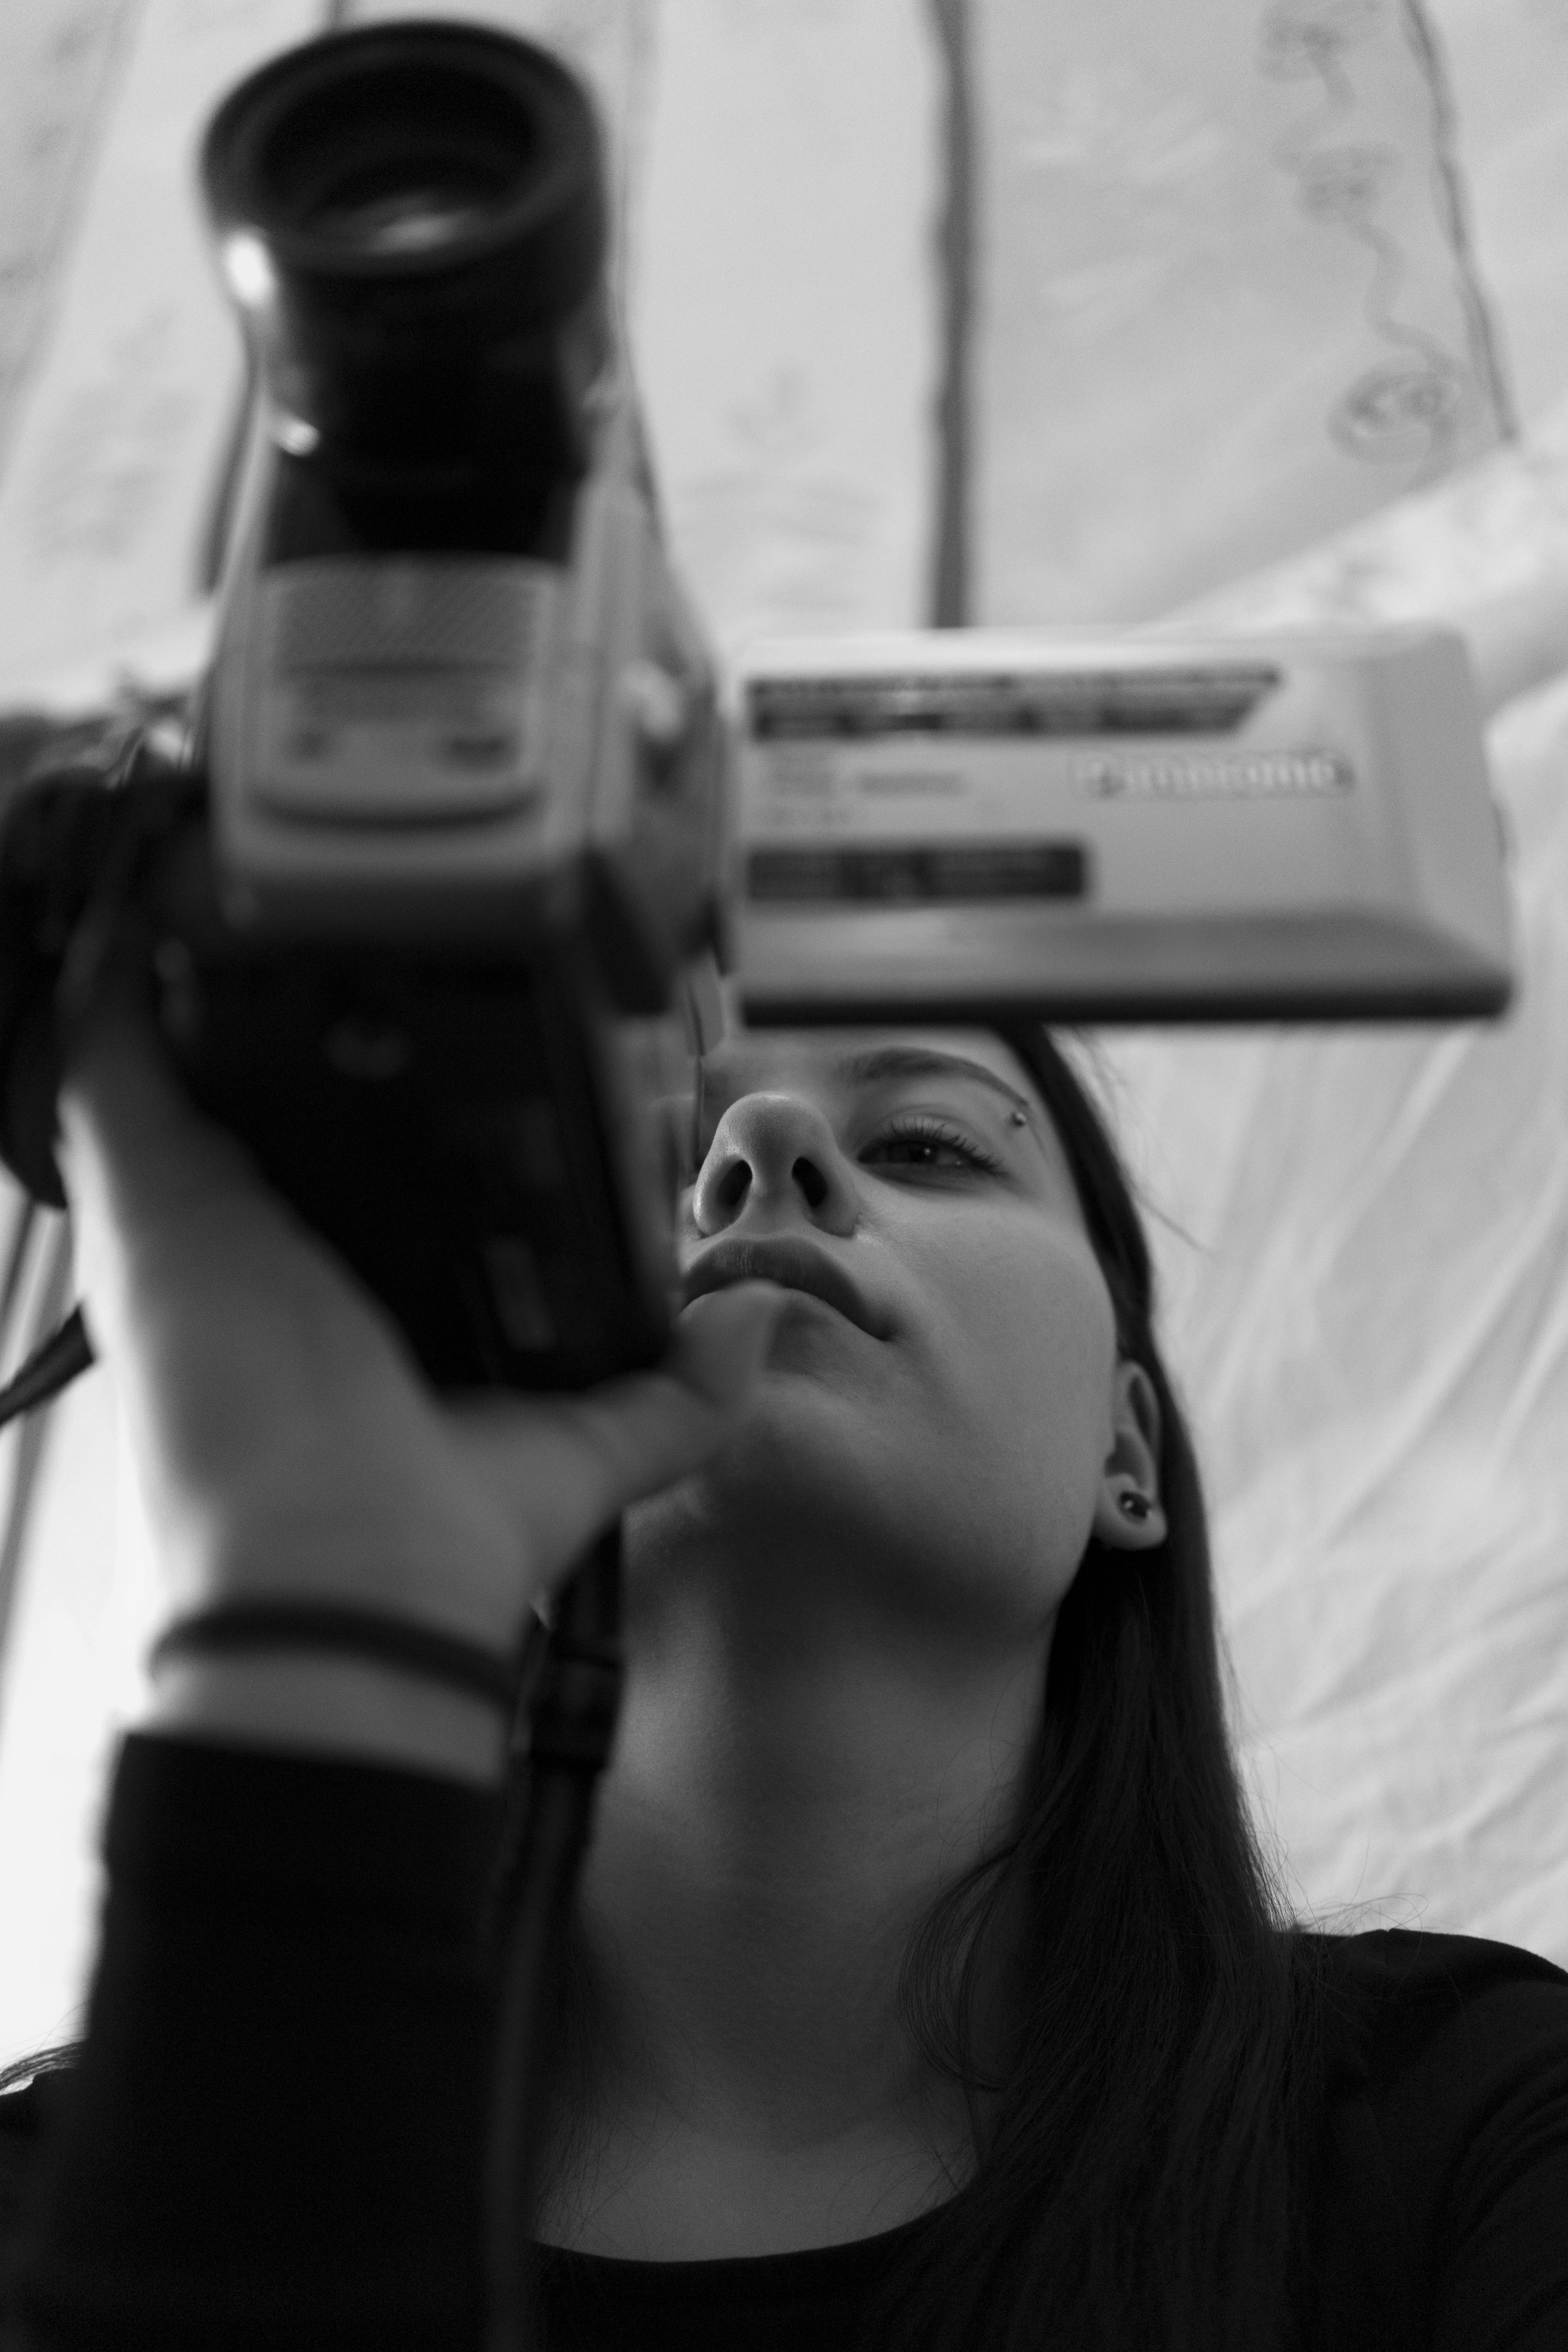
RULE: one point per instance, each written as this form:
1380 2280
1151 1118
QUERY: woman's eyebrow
924 1062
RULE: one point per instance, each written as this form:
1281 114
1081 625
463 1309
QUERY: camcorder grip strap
571 1713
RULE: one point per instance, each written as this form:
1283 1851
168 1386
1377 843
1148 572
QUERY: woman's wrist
350 1709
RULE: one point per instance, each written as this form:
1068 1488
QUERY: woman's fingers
645 1431
575 1462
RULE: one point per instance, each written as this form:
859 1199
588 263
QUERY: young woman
927 1986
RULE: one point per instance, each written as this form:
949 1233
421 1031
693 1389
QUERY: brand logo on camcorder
1256 775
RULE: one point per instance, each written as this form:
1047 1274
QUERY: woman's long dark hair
1142 2182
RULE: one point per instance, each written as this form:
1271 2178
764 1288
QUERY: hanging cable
33 1436
49 1369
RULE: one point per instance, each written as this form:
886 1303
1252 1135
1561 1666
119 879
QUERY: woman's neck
775 1820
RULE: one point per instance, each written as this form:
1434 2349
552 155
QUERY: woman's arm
273 2136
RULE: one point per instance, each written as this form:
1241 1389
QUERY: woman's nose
774 1151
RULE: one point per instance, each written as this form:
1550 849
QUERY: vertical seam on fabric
1449 190
950 580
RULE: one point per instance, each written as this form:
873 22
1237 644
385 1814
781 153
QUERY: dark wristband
237 1625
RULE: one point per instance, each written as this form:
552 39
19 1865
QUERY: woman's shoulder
1409 2012
1447 2157
25 2110
1420 1955
1412 1982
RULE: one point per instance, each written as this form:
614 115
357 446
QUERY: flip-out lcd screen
1115 825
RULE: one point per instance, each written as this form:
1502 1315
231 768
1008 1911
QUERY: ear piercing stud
1137 1507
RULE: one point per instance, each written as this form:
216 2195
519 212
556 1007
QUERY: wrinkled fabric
1363 1239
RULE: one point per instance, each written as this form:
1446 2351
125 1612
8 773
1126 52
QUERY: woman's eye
927 1143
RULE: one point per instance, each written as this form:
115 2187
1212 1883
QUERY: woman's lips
795 1263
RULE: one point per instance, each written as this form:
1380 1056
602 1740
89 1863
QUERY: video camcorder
462 808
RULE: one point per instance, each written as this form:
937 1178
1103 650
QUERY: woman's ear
1128 1512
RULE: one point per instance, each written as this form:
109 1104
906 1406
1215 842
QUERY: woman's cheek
1040 1358
1042 1317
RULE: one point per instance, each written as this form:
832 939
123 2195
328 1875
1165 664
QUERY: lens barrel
411 221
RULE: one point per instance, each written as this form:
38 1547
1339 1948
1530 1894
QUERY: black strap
331 1626
48 1370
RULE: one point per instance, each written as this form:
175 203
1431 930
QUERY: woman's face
943 1394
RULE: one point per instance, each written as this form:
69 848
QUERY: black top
273 2136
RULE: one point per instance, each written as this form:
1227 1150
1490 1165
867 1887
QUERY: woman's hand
285 1439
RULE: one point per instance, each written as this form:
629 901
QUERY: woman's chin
818 1459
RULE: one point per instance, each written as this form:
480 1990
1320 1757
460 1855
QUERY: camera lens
411 221
354 142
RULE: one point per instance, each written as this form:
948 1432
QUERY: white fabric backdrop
1362 1236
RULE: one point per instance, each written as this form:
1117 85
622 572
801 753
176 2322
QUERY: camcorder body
420 893
414 895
